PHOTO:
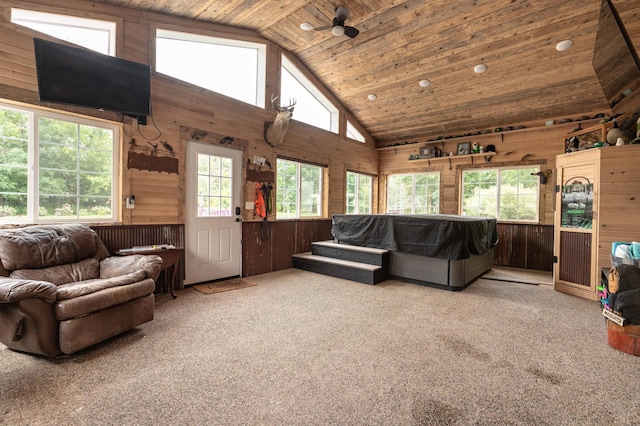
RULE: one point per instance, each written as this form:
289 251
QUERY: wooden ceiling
402 42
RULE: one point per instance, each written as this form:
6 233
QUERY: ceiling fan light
337 30
564 45
425 83
480 68
305 26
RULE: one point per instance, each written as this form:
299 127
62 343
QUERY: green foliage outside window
507 194
413 193
359 188
74 174
299 190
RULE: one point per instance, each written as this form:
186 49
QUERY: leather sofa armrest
14 290
115 266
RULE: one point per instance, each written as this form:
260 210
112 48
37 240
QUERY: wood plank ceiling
402 42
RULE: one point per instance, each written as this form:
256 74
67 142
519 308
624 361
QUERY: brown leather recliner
61 292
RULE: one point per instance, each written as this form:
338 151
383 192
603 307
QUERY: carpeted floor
305 349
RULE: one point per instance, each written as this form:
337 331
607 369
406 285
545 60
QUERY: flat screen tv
77 76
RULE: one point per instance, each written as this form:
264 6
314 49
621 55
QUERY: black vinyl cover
441 236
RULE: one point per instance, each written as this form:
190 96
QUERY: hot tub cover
440 236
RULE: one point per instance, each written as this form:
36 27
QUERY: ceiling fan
339 28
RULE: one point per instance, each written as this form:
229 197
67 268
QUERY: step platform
360 264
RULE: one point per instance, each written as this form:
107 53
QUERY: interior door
213 223
575 228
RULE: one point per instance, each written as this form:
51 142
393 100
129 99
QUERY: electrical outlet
131 202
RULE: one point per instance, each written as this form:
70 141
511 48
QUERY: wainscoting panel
525 246
116 237
268 248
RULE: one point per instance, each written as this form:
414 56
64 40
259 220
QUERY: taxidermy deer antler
275 130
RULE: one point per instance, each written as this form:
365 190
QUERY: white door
213 227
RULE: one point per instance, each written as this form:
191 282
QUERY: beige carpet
306 349
517 275
220 286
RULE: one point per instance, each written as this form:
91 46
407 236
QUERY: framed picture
464 148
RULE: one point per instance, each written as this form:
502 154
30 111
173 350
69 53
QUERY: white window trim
32 167
413 195
202 38
353 133
532 166
322 206
315 92
357 194
25 17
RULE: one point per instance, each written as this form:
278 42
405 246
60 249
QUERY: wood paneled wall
160 196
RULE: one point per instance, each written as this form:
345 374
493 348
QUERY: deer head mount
275 130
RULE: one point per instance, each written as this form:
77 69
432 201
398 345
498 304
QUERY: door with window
213 223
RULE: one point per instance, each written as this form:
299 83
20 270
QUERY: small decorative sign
152 163
613 317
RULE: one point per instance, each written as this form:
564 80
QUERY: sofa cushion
107 298
43 246
87 269
81 288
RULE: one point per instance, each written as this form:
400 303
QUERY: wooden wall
160 196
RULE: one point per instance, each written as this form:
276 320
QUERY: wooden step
372 256
339 268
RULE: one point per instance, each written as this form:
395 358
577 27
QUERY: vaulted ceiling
403 42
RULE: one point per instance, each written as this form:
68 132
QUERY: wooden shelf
485 155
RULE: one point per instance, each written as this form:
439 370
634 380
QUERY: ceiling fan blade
342 13
351 31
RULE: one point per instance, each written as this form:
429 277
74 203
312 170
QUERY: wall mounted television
77 76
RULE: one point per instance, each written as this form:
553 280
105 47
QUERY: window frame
312 89
391 211
178 34
22 17
357 192
498 170
353 133
33 168
299 195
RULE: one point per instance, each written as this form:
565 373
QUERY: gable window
359 193
299 189
55 167
413 193
506 193
312 106
93 34
232 68
353 133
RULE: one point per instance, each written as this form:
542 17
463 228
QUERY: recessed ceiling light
372 97
480 68
564 45
306 26
425 83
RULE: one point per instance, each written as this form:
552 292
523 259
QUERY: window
230 67
54 167
214 185
93 34
312 106
299 190
413 193
359 193
353 133
508 194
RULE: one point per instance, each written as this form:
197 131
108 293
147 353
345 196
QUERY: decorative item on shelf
464 148
430 152
490 148
475 148
414 157
147 158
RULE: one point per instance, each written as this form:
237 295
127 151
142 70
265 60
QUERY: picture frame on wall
464 148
